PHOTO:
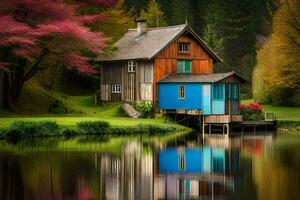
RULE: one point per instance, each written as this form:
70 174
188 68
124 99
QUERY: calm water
186 167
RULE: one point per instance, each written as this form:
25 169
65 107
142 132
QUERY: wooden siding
166 62
222 119
135 86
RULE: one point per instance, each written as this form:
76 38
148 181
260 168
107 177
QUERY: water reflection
262 167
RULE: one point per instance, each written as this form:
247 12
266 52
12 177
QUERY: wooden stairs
130 111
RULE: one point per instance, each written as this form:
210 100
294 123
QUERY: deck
222 119
223 122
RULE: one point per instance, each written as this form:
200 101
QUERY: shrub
57 107
3 132
142 129
94 127
42 128
69 132
252 111
146 108
153 129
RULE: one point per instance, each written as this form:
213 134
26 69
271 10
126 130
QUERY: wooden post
228 129
223 129
203 126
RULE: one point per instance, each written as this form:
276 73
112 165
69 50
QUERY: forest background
259 39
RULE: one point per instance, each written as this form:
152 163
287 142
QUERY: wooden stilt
227 129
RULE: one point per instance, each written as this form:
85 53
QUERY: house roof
199 78
149 44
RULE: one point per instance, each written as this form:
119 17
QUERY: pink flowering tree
32 31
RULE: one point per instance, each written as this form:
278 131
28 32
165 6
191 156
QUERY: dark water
187 167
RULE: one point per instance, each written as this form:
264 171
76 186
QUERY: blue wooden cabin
206 160
215 94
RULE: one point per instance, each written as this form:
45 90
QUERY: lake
184 166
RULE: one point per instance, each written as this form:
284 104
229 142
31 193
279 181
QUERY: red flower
254 107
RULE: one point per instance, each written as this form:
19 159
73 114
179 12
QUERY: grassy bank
22 129
282 113
71 121
84 110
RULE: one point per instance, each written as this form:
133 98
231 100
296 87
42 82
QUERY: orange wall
166 62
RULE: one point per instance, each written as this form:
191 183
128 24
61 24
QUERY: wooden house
171 67
199 173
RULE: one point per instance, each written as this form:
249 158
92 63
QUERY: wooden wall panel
196 51
202 67
131 89
166 62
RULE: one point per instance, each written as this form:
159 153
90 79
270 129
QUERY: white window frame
181 92
181 162
131 66
184 47
116 88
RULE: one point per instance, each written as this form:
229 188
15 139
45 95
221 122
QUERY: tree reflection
190 168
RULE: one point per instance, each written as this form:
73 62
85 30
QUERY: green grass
82 143
282 113
70 121
87 111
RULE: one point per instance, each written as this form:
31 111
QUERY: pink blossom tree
32 31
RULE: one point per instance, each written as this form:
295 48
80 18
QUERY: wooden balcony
222 119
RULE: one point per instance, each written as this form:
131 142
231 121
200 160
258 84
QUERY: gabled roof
149 44
199 78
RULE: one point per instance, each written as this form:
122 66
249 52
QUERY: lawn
71 121
282 113
85 110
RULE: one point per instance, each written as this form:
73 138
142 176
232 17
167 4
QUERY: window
218 91
131 66
183 66
181 92
116 88
184 47
234 91
181 161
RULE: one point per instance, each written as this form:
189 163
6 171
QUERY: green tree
212 35
276 78
153 15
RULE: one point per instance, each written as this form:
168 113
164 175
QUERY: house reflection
169 173
129 176
205 172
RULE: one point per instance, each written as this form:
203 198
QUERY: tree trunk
15 78
1 88
13 85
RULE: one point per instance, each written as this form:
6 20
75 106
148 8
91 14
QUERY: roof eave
119 60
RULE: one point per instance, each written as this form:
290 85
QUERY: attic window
131 66
184 47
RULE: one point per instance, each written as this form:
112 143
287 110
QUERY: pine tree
153 15
212 35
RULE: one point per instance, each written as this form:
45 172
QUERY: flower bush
145 108
252 111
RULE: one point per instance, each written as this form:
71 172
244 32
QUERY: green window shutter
180 66
234 91
187 66
218 91
227 94
183 66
